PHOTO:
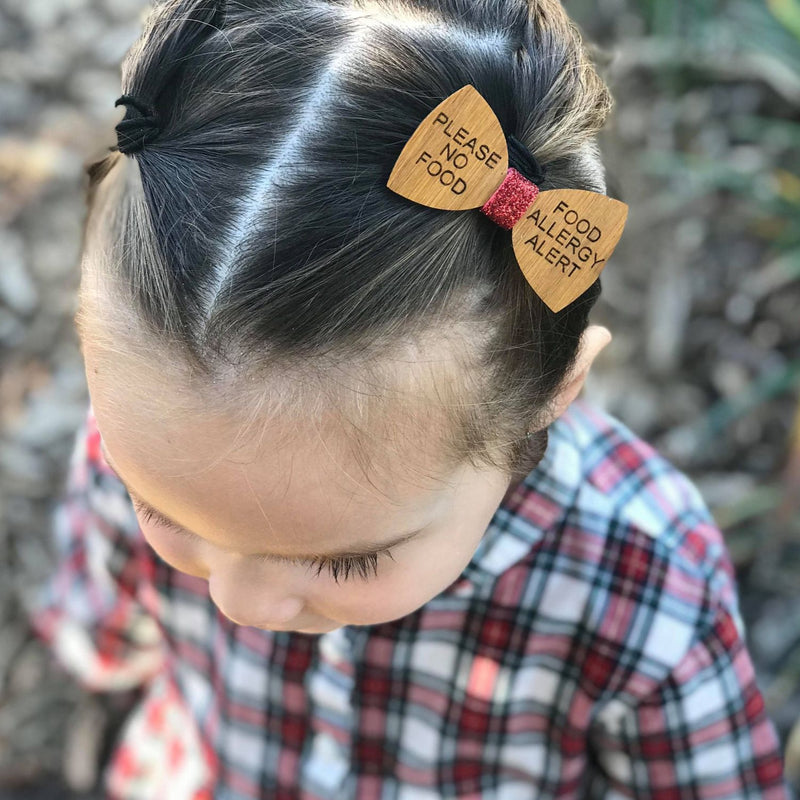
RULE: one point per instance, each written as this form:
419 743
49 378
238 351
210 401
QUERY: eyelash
347 564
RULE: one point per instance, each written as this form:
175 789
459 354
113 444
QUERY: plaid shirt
592 648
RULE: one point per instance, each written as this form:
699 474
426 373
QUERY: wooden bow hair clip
457 159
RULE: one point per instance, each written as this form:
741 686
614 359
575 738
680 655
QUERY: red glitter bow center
512 199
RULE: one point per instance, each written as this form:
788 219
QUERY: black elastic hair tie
139 127
522 160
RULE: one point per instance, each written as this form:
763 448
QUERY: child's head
286 357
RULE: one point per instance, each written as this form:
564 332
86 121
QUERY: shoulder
600 482
623 483
623 474
632 566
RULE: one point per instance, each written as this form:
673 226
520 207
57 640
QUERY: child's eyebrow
361 550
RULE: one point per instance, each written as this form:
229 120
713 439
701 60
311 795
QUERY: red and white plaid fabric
592 648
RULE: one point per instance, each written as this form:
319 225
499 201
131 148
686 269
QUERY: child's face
288 490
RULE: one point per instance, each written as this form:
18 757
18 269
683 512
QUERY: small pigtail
173 32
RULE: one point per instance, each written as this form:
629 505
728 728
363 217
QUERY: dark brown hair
255 240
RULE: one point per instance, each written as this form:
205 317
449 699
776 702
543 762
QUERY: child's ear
594 339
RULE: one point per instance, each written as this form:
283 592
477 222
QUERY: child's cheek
397 591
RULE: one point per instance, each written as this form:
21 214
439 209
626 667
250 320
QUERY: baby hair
252 239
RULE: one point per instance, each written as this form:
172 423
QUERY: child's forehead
161 430
389 415
209 481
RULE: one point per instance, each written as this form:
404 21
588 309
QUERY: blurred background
702 296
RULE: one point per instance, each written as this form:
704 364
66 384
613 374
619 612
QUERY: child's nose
260 604
275 616
279 616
